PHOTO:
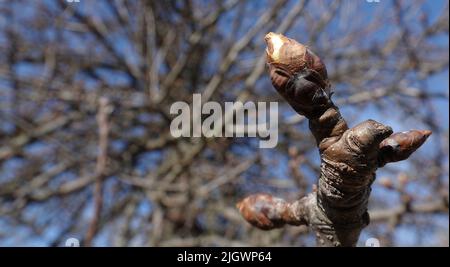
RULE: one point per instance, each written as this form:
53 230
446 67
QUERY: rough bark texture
337 210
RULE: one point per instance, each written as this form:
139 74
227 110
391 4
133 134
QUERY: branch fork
337 211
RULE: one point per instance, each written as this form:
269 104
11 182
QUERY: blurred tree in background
85 94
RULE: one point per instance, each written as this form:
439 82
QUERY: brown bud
264 211
399 146
298 75
287 57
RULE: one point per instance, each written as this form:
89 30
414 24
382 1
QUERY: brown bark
337 211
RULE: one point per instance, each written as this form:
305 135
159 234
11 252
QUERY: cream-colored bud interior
277 43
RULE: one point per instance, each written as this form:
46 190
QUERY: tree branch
337 212
100 168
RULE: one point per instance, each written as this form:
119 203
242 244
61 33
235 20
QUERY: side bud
400 146
265 211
